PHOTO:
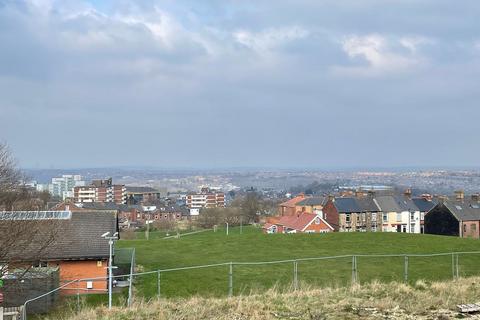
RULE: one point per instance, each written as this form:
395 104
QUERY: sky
223 83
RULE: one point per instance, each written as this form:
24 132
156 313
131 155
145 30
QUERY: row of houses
386 213
457 215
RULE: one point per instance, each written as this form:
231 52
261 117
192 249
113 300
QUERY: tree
21 239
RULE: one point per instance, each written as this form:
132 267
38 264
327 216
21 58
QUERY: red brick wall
470 229
330 214
71 270
318 227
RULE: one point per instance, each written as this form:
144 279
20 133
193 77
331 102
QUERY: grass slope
252 245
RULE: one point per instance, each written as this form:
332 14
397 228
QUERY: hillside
373 301
253 246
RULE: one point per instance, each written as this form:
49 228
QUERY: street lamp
110 261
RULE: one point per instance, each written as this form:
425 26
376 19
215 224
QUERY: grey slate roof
76 238
424 205
109 206
367 205
312 201
347 205
388 204
464 210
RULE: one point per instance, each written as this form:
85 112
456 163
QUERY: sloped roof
312 201
464 210
292 202
424 205
77 237
388 204
347 205
304 220
299 222
395 204
367 204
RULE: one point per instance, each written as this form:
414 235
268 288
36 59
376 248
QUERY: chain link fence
238 278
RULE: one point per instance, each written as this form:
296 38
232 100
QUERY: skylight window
458 207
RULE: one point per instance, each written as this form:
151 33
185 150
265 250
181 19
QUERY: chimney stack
459 195
408 193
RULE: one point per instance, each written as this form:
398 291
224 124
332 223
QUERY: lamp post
111 240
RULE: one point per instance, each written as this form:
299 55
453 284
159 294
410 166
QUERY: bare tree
22 241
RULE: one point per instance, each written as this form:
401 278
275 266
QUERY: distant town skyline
207 84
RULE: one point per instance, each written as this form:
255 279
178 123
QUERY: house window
317 221
399 216
99 263
89 284
473 227
464 228
412 215
412 228
404 228
40 264
347 218
385 217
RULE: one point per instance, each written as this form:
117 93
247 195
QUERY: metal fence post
405 270
295 275
456 265
354 269
158 283
453 266
230 280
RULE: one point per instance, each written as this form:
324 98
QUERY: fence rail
403 266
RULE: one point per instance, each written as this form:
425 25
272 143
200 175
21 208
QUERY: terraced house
457 217
354 214
399 214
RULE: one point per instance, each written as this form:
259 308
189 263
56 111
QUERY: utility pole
110 266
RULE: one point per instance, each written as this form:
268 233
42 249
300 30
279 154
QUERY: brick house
301 223
353 214
288 208
311 204
76 246
399 214
455 218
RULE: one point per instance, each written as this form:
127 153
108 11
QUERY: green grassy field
251 246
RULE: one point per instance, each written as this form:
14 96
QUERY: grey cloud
258 78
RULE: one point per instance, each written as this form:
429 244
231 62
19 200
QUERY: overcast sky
279 83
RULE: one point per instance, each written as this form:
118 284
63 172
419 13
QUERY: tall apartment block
63 186
101 191
206 198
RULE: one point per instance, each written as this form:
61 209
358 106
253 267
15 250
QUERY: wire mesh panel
325 272
261 277
208 281
468 264
380 268
430 268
